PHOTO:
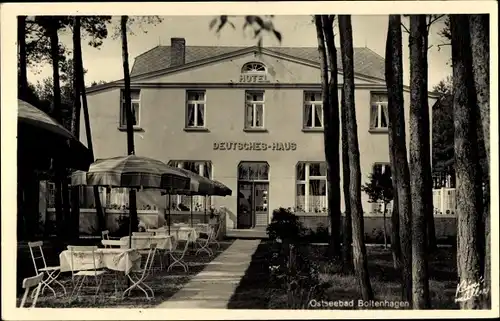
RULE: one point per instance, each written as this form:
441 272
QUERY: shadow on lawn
164 284
255 291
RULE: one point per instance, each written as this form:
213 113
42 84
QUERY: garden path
213 287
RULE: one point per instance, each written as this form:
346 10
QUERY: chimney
177 52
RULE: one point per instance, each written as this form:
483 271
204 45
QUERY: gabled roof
366 61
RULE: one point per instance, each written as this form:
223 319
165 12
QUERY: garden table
112 243
143 242
123 260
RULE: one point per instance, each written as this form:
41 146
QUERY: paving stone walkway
213 287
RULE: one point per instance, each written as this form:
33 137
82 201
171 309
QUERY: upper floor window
135 95
195 109
379 116
313 110
253 67
254 110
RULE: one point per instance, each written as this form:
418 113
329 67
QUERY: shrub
285 226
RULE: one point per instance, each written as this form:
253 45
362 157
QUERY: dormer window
253 68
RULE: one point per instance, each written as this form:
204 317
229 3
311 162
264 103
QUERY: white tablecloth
143 242
114 259
180 232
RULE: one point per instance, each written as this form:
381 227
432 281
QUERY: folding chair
178 253
214 240
105 236
204 242
164 245
83 274
140 275
52 271
29 283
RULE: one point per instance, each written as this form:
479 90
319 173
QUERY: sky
105 63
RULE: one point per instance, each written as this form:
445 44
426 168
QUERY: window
253 67
195 109
313 110
254 110
253 171
379 117
197 202
135 95
380 169
312 193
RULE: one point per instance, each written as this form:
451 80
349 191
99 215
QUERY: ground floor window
381 171
196 202
312 192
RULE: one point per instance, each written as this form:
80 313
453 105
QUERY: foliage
258 24
123 225
285 227
379 187
443 149
318 235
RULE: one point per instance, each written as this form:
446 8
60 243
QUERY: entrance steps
254 233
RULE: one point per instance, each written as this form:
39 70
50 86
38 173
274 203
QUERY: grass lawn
257 292
164 284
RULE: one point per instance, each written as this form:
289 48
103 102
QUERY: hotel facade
248 118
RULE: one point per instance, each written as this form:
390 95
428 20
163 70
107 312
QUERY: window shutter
373 116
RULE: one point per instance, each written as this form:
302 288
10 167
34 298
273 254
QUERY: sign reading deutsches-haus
255 146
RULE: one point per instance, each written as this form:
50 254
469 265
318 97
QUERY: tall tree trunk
347 226
23 75
75 124
469 198
56 113
359 248
397 138
79 70
384 214
331 139
130 128
429 212
479 31
419 161
395 239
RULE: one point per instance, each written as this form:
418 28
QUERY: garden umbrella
221 189
41 138
136 172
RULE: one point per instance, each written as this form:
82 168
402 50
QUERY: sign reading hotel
255 146
249 78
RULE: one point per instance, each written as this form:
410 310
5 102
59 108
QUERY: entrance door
253 195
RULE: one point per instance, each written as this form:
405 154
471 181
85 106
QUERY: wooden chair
29 283
52 271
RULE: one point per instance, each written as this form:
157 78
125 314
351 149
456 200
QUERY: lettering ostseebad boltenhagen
256 146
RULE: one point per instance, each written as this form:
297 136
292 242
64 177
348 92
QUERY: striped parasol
221 189
41 139
28 115
136 172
